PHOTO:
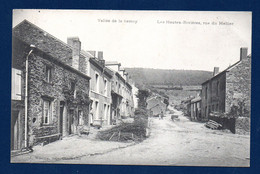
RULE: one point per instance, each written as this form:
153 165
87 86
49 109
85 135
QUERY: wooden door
61 118
15 130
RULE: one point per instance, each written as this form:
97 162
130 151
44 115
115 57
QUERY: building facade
122 97
58 88
229 88
195 109
127 107
100 91
156 105
57 100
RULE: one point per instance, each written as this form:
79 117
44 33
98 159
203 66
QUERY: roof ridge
62 42
59 40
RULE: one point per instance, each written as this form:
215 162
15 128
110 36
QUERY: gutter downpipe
26 97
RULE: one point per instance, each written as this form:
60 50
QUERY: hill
149 76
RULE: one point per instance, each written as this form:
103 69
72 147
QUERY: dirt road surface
182 143
179 143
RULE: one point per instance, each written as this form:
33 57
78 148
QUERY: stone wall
242 125
31 34
238 86
39 89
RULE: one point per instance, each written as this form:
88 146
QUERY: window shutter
16 84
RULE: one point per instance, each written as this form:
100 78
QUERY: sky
190 40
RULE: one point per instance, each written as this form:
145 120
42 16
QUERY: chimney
216 71
243 53
75 43
100 55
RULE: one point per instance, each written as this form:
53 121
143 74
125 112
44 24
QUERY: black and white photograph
131 87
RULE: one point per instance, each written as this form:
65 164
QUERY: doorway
71 121
15 130
62 104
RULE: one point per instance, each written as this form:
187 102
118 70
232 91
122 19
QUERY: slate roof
224 71
32 34
50 46
197 99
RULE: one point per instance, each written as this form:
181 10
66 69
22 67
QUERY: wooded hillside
148 76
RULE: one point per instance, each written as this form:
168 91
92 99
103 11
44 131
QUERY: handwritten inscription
129 21
173 22
194 22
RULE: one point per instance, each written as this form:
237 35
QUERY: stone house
50 89
228 89
156 105
195 108
186 106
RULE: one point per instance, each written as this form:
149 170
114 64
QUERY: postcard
119 87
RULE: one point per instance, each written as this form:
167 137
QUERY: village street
179 142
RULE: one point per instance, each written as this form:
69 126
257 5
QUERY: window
97 83
73 88
206 93
108 110
96 110
80 116
217 87
16 84
105 87
47 111
105 112
48 74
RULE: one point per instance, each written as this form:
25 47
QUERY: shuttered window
16 84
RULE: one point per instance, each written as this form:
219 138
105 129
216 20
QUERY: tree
142 96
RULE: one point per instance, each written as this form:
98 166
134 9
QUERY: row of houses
226 94
156 105
58 88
